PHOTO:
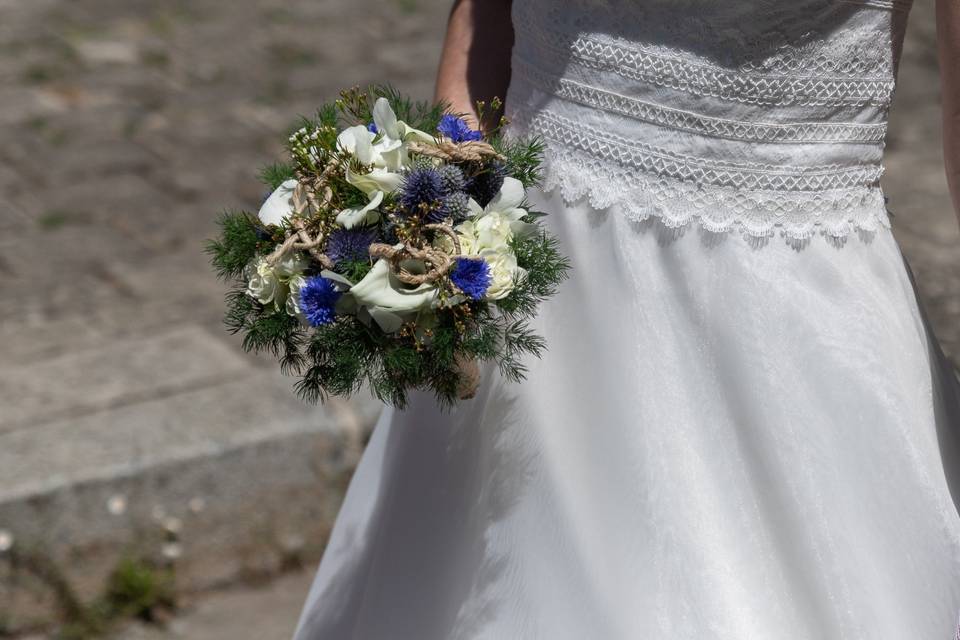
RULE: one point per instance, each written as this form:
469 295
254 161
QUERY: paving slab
116 373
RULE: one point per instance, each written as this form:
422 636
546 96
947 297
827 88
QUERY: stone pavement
130 422
126 125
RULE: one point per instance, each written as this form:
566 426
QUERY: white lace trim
639 196
798 132
745 176
638 63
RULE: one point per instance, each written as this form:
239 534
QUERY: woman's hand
475 63
948 37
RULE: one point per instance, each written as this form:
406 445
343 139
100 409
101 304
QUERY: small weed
57 218
40 74
156 58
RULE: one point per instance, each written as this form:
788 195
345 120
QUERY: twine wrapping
304 198
469 372
470 151
439 262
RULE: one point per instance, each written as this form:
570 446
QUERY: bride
744 427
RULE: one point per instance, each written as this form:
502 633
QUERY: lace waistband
642 182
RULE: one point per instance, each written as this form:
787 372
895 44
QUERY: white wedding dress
743 428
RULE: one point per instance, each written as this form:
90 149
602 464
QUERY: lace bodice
755 114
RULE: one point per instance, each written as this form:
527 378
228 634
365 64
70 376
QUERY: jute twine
304 198
437 261
470 151
469 370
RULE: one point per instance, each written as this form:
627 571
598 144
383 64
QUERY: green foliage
275 332
354 270
138 589
237 245
524 157
419 115
546 268
273 175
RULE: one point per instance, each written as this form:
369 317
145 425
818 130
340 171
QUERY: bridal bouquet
396 249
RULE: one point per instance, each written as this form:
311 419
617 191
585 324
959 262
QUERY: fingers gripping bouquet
396 249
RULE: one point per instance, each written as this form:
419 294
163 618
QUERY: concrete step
173 447
117 372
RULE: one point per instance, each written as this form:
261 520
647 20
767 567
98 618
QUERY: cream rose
504 272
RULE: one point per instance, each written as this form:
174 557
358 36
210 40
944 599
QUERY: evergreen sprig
237 245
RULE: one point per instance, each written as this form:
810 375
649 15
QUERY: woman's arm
948 37
475 63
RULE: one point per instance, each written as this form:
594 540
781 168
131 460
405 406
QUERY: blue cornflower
472 276
349 244
457 129
317 299
421 186
372 128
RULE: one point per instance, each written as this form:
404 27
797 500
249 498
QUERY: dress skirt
727 438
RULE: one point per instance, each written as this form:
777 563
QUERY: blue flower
457 129
472 276
456 206
317 299
372 128
421 186
485 185
452 178
350 244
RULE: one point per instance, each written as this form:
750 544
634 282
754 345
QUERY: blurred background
156 482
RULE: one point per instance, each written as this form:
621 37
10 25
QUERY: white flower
505 215
279 205
293 296
270 284
504 271
494 226
377 181
349 218
262 281
385 152
388 300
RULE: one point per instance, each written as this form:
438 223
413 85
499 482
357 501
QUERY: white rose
493 231
262 281
503 272
466 236
293 296
268 283
279 205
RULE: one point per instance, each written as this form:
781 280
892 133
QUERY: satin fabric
728 438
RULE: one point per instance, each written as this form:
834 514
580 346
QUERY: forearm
475 63
948 36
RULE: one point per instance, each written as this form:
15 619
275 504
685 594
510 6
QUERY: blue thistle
472 276
318 296
421 186
345 245
457 129
486 184
454 206
452 178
